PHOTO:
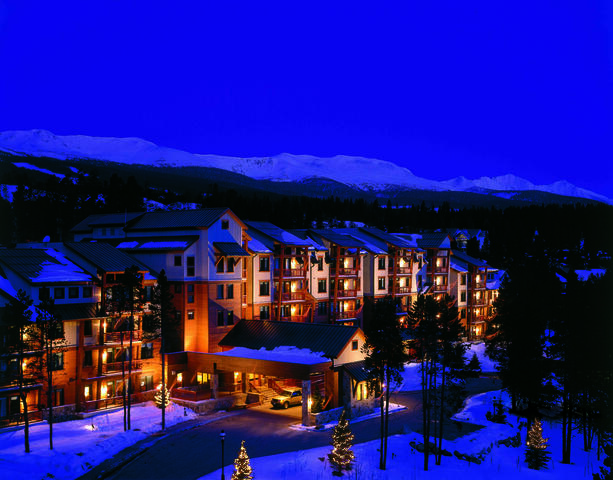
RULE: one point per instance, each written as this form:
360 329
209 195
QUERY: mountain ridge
363 173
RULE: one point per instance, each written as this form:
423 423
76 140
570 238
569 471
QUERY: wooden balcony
439 288
479 302
344 271
290 272
441 269
293 318
115 367
400 270
346 293
478 285
346 315
402 290
115 337
293 296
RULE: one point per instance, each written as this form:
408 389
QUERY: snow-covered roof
584 275
286 354
256 246
42 266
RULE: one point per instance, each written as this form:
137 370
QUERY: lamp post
222 436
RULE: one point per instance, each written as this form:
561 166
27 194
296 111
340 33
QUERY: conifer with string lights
159 396
342 456
242 468
537 455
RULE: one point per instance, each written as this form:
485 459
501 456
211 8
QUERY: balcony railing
115 337
290 272
114 367
293 297
478 285
402 290
441 269
346 293
293 318
401 270
479 302
346 315
344 271
439 288
18 418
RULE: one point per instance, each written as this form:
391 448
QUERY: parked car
290 396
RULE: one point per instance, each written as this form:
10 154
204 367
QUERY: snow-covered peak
364 173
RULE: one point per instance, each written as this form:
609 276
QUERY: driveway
192 453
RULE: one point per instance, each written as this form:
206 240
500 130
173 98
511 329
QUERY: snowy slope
360 172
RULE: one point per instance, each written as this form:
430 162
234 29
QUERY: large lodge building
258 307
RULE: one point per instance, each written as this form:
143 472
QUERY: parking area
291 413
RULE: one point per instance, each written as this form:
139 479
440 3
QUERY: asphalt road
192 453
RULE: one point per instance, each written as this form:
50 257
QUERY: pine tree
537 455
162 397
342 456
242 468
474 366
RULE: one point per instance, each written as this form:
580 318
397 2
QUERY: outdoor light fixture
222 437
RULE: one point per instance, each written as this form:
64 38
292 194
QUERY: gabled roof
276 234
230 249
357 370
148 244
328 339
468 259
339 239
387 237
105 220
317 244
432 240
371 244
176 219
105 256
37 265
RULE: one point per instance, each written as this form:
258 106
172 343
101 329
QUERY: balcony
289 272
344 271
346 315
401 270
115 367
115 337
346 293
293 318
402 290
293 297
478 285
479 302
439 288
441 269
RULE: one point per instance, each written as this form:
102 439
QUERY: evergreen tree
385 357
161 323
342 456
473 367
242 468
162 397
537 455
19 315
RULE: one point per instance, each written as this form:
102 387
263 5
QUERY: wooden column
306 397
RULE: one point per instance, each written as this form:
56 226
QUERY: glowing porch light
104 326
310 402
24 364
293 287
438 262
179 377
86 391
346 263
104 355
401 263
103 391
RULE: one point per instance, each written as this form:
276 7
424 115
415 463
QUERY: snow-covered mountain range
359 172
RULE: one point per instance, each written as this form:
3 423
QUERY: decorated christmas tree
537 455
341 457
242 469
159 395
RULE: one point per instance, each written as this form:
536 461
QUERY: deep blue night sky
444 88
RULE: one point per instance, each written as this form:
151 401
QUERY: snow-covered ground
411 377
405 463
79 444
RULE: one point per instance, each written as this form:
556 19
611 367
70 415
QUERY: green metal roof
357 370
176 219
340 239
386 237
317 337
106 257
468 259
105 219
230 249
432 240
37 265
277 234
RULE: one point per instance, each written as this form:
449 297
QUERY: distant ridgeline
43 196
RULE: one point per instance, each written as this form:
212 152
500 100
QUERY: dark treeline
54 206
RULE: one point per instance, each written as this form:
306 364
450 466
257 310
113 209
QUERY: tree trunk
163 385
50 391
441 418
123 390
381 446
387 416
23 394
424 409
129 386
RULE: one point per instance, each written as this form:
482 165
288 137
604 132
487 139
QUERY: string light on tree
159 396
242 468
537 455
342 456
